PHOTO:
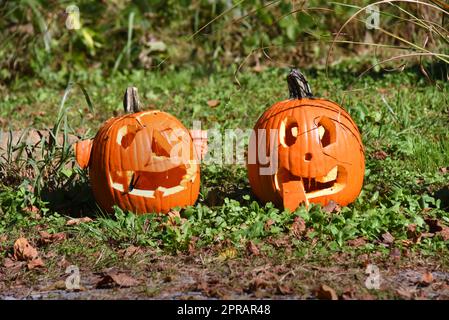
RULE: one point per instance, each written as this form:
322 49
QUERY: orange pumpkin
305 150
142 162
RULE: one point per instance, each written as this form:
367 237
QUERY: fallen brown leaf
213 103
252 248
228 253
131 250
298 227
77 221
49 238
426 278
444 170
284 289
174 215
358 242
364 259
444 233
405 293
427 235
23 251
9 263
332 206
411 230
395 253
35 263
63 263
325 292
258 283
413 234
114 278
279 242
34 212
407 243
387 238
348 294
380 155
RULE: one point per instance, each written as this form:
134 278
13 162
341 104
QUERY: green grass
398 113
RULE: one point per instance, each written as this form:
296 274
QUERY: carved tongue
294 194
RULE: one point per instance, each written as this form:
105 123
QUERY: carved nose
308 156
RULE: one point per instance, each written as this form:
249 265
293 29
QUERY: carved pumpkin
142 162
315 152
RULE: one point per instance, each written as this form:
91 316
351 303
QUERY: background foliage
215 34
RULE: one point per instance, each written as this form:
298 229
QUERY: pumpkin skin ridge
345 131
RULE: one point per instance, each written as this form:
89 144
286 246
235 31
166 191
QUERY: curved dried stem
414 46
131 102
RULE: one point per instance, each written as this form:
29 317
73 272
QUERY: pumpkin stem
298 85
131 102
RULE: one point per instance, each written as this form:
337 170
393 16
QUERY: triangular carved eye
326 131
288 131
161 145
126 135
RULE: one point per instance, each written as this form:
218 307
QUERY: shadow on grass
76 201
443 195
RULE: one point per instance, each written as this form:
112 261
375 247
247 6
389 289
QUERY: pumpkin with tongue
305 150
143 161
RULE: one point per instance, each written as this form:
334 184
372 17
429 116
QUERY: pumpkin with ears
142 161
314 148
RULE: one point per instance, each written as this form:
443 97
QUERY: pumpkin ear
82 152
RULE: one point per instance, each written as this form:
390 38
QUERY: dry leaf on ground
228 253
131 250
380 155
77 221
298 227
252 248
23 251
358 242
426 278
49 238
213 103
325 292
387 238
331 206
12 265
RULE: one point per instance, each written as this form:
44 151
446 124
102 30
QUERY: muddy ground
204 276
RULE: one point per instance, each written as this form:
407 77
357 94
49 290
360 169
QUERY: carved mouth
148 184
297 189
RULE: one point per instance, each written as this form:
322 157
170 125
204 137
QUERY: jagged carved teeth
311 185
142 183
330 176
